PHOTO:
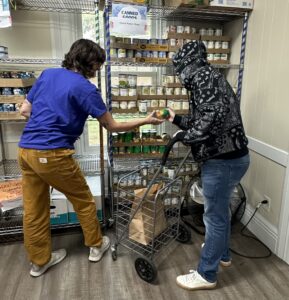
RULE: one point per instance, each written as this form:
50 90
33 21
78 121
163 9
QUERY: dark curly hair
82 56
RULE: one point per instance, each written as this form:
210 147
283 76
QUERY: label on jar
162 103
160 90
154 103
131 104
132 92
143 107
218 44
180 29
153 90
123 92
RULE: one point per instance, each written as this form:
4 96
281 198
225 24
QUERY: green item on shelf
128 137
162 148
137 149
154 149
146 149
115 137
121 137
129 149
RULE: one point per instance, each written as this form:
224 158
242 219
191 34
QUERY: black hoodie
214 127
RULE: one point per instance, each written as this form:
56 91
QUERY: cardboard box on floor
247 4
186 2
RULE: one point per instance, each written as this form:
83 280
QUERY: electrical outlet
267 206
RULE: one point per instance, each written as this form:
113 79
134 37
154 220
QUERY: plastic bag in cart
141 228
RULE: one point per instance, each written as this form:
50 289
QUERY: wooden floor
77 278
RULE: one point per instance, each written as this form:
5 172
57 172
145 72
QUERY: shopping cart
148 208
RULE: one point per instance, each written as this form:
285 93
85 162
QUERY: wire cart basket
147 216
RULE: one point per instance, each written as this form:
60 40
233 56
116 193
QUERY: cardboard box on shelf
247 4
187 2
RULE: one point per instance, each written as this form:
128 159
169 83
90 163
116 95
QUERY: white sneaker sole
99 257
209 286
37 274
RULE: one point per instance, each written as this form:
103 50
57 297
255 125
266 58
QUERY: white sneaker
96 253
194 281
223 262
56 257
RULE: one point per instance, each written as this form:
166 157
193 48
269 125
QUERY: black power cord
252 237
242 233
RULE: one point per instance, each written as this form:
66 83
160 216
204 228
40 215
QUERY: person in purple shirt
57 107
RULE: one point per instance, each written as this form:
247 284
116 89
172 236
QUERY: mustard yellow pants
56 168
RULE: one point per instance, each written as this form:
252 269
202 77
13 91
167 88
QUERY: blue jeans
219 178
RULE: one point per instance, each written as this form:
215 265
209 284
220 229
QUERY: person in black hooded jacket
215 132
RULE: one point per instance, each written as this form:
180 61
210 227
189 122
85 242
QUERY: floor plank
77 278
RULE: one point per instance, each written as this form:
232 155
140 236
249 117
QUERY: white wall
265 107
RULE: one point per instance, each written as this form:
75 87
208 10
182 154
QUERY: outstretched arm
108 122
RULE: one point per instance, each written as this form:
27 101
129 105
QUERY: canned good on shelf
184 91
143 107
138 53
177 91
203 31
187 29
132 92
170 79
225 45
177 105
224 56
210 31
123 80
121 150
132 80
123 104
217 56
185 105
154 103
211 45
155 54
115 91
123 92
146 149
153 90
160 90
162 54
180 29
193 30
153 134
218 44
218 32
170 104
113 53
115 104
177 79
172 42
138 180
162 103
145 90
137 149
171 54
131 104
210 56
153 41
119 40
121 53
135 41
169 91
127 40
130 53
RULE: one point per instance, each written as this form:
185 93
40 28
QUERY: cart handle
177 138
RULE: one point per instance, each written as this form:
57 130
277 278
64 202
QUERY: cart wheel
184 235
145 269
113 252
114 255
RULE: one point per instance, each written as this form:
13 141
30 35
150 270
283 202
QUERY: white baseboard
261 228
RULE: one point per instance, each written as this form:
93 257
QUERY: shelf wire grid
71 6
